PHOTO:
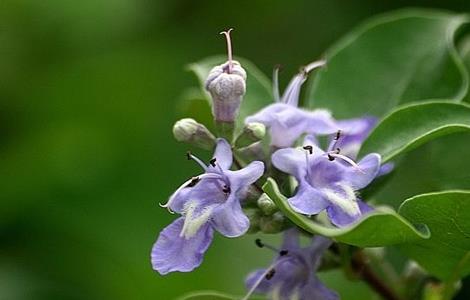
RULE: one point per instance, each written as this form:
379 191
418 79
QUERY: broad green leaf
412 125
403 56
212 295
380 228
258 87
447 214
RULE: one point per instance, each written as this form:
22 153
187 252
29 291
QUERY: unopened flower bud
266 205
272 224
189 131
252 133
227 84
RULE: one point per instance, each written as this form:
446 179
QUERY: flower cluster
219 198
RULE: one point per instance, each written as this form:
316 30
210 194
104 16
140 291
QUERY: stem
363 269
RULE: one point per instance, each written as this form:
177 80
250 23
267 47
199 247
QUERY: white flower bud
189 131
272 224
266 205
252 133
227 84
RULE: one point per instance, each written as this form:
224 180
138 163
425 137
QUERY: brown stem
361 266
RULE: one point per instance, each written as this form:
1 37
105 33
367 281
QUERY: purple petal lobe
307 200
267 115
291 239
314 289
246 176
223 154
171 252
252 278
321 122
368 169
229 219
291 161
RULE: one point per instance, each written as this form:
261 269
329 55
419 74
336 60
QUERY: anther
188 155
308 148
283 252
259 243
229 49
270 274
330 158
226 189
193 181
338 134
212 162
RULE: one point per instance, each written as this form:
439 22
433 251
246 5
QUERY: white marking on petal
346 200
193 223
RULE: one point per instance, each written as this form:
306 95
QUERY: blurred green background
89 91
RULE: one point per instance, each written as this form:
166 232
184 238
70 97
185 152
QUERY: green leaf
380 228
410 126
403 56
258 87
447 253
212 295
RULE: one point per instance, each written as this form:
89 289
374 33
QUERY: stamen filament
229 49
268 271
261 244
185 185
277 95
335 141
314 65
346 159
309 150
196 159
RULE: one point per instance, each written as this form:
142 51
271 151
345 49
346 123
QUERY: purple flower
206 202
327 180
353 134
292 274
287 122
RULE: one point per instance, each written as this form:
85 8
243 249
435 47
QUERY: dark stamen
338 150
338 134
226 189
270 274
308 148
193 182
212 161
330 158
188 155
259 243
283 252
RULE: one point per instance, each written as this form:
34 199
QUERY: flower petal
263 287
291 161
369 167
308 200
171 252
229 219
321 122
291 239
246 176
223 154
315 289
267 115
292 92
319 245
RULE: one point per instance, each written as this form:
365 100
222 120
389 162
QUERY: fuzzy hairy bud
252 133
189 131
227 85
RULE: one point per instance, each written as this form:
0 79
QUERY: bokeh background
89 91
